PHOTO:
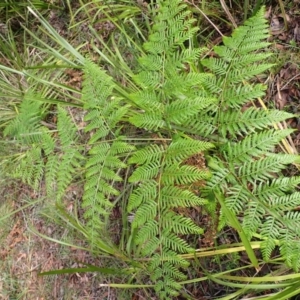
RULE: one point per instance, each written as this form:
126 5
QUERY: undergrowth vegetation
179 129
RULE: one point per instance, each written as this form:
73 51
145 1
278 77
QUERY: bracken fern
245 167
182 108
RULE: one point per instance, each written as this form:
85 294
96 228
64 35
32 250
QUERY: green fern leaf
180 224
237 123
66 128
31 168
69 164
149 230
147 154
255 145
173 197
180 111
264 168
146 211
146 190
253 216
26 126
146 172
51 170
175 174
106 156
183 149
149 121
270 231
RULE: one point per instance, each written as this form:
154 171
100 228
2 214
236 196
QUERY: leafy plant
179 108
247 177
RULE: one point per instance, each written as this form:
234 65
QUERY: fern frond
61 168
218 179
26 126
290 249
149 120
170 256
237 123
276 188
180 224
264 168
173 197
150 246
150 229
51 169
151 80
146 172
247 73
270 231
253 217
285 203
255 145
147 100
246 167
68 166
151 62
146 190
168 270
242 94
168 29
66 128
182 175
105 158
146 211
98 84
31 168
101 170
172 241
147 154
104 110
268 245
189 55
178 112
238 62
157 224
236 198
179 150
48 142
204 124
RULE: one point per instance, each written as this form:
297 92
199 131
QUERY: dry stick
283 14
206 17
229 15
294 77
